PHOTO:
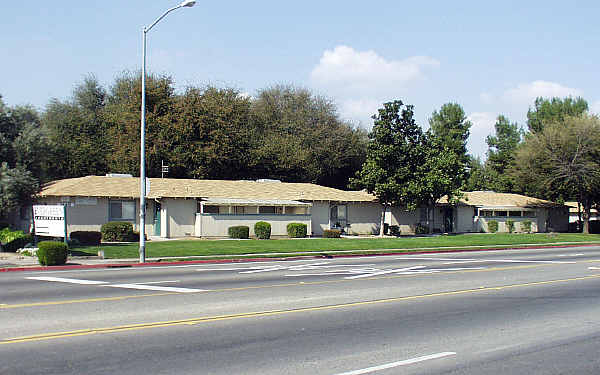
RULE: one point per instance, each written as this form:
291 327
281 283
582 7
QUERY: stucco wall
215 225
406 220
82 217
482 224
320 217
463 219
364 218
181 215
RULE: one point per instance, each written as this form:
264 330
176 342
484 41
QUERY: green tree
77 132
299 137
563 160
395 154
17 187
451 126
546 111
477 178
501 155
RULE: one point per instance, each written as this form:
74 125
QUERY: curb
249 260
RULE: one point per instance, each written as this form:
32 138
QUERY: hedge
86 237
296 230
14 240
262 229
240 232
526 226
52 253
117 231
394 230
493 226
332 233
510 225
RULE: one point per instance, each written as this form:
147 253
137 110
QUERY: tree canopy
555 110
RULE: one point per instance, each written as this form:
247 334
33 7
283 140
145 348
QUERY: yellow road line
199 320
66 302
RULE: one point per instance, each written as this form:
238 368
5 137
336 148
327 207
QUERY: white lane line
571 255
397 270
399 363
158 282
65 280
490 260
593 268
157 288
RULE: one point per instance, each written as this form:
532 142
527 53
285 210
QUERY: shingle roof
128 187
493 199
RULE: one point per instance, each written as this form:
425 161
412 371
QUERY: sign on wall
50 220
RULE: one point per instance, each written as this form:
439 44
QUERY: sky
492 58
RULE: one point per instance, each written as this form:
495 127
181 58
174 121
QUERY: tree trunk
432 221
587 207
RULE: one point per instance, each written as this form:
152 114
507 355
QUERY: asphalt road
532 311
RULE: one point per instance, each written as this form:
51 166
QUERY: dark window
121 210
211 209
267 209
501 213
514 213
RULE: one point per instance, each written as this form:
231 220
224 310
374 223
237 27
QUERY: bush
240 232
510 225
3 225
526 226
117 231
421 229
52 253
296 230
86 237
332 233
262 229
492 226
394 230
14 240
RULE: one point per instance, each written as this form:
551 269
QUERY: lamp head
187 3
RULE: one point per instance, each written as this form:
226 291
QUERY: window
238 210
121 210
514 213
501 213
486 213
211 209
528 213
268 210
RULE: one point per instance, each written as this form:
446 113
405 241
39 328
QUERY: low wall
216 225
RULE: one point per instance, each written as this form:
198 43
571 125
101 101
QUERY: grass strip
182 248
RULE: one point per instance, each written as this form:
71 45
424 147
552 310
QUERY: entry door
448 220
157 216
338 217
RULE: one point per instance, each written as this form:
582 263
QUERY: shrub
14 240
526 226
394 230
117 231
492 226
52 253
296 230
262 229
510 225
332 233
87 237
4 225
421 229
240 231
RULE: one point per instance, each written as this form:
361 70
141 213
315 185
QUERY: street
531 311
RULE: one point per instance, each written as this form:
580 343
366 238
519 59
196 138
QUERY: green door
157 218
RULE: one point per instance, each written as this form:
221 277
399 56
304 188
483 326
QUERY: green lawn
236 247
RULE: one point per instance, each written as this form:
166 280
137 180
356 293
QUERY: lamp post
186 3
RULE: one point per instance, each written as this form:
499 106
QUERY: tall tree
17 187
477 178
300 137
77 131
563 160
451 126
501 154
546 111
394 155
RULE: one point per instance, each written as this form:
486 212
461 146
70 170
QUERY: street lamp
186 3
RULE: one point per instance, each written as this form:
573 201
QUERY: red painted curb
241 260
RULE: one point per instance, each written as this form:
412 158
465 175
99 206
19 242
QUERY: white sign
49 220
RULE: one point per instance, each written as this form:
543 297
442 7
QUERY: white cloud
361 80
526 93
483 125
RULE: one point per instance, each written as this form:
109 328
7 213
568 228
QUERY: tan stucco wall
364 218
181 215
82 217
209 225
320 217
463 219
406 220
